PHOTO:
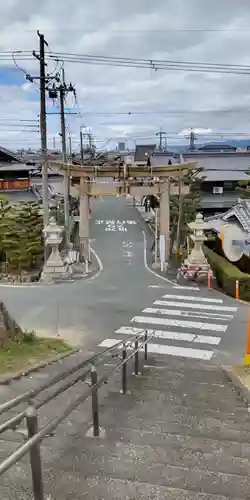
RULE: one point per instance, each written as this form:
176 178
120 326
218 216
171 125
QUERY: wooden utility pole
63 89
43 127
64 156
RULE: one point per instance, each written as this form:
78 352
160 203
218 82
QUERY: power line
167 112
152 64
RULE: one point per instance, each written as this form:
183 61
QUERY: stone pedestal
54 269
196 258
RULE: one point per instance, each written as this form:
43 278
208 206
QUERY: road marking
146 263
190 297
179 323
100 264
190 314
187 287
167 335
184 352
203 339
211 307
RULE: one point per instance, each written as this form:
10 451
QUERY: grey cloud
194 30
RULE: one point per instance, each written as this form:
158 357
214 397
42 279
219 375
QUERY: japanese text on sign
115 225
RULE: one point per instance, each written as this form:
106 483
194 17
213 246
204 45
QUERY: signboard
162 251
243 245
234 242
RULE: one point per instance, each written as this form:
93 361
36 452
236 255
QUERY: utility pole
43 79
64 157
161 134
70 146
63 89
81 146
43 127
192 139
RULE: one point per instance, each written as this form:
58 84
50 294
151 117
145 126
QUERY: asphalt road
126 295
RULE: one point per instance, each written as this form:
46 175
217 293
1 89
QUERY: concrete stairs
181 433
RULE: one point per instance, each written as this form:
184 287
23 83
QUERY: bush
226 275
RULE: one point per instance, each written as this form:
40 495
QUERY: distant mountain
240 143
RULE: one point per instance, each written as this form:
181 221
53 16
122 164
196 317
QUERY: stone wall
9 329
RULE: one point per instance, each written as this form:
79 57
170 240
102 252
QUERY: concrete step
181 432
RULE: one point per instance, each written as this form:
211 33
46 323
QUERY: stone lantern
54 268
196 256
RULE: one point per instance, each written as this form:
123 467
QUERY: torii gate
124 181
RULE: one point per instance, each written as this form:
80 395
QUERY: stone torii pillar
84 220
165 217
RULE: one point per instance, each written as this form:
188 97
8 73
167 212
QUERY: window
218 190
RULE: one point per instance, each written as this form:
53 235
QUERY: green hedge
226 275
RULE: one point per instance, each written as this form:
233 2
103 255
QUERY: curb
6 379
241 389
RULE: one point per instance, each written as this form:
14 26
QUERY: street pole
81 145
156 235
43 129
64 156
70 146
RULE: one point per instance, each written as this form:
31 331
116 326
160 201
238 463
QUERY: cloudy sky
128 102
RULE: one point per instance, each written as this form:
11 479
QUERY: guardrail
80 371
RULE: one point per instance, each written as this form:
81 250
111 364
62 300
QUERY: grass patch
31 350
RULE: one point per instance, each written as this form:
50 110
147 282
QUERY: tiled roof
220 161
241 211
218 201
223 175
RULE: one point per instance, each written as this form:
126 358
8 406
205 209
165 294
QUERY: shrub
226 275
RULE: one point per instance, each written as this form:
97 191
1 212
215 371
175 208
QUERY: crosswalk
189 326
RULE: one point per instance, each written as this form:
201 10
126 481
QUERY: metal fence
128 350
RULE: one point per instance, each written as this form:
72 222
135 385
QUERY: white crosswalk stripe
180 336
195 306
190 314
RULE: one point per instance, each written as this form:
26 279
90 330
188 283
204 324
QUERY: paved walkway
182 433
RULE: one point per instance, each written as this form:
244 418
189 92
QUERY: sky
131 103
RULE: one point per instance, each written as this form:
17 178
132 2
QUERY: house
14 175
235 224
143 154
219 178
16 181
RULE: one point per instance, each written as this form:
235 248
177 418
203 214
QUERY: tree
243 188
21 236
183 211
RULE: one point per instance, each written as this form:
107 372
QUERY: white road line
158 276
211 307
100 265
183 352
177 323
167 335
190 297
189 314
203 339
187 287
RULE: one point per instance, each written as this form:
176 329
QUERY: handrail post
146 345
95 409
124 370
35 455
136 372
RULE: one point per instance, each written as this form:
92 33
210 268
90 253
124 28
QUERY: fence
129 349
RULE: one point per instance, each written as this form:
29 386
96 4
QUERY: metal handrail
26 396
35 436
31 394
